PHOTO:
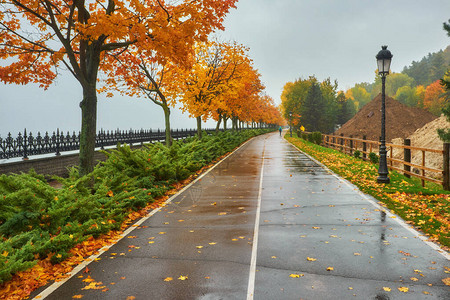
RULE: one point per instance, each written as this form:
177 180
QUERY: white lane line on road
252 275
373 201
92 258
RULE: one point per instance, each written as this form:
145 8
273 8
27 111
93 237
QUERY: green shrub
373 157
357 154
316 137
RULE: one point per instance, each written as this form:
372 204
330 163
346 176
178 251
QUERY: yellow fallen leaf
213 243
131 297
162 232
151 242
387 289
350 288
446 281
183 277
296 275
234 240
222 213
311 259
357 254
5 253
414 279
403 289
199 247
168 279
274 257
315 227
330 269
425 292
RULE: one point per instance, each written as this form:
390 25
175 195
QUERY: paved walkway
266 223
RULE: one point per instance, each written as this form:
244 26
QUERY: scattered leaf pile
425 208
39 223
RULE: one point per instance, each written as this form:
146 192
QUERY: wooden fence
426 173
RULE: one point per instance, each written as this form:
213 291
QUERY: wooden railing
426 173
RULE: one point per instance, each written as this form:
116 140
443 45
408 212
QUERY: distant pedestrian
280 130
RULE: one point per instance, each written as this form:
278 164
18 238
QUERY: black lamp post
384 62
290 123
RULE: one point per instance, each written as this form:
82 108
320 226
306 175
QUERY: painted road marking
252 275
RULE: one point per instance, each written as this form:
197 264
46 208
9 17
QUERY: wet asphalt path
309 224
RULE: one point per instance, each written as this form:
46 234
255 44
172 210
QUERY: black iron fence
27 144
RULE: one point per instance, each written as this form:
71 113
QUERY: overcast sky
288 39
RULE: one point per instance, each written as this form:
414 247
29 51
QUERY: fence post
342 141
407 157
25 157
364 148
446 173
351 145
57 142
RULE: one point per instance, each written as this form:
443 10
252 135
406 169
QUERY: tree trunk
218 124
199 127
88 129
167 120
224 123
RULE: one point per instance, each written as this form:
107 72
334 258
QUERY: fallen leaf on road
330 269
446 281
357 254
199 247
222 213
213 243
131 297
403 289
296 275
414 279
183 277
387 289
168 279
77 296
311 259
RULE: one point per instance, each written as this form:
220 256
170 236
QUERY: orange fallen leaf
414 279
446 281
77 296
168 279
131 297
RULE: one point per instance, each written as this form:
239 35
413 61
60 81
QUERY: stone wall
56 165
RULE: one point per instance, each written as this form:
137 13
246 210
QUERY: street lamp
290 123
384 62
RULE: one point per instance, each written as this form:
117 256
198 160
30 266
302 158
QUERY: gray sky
288 39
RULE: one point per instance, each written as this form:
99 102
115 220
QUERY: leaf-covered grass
39 222
427 208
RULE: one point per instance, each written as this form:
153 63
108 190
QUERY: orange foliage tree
39 37
214 76
433 100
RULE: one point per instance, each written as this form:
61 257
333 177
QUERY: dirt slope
401 120
426 137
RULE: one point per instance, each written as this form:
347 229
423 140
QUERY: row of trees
143 47
317 106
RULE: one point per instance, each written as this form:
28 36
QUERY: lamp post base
383 179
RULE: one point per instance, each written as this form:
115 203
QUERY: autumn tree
215 75
39 37
434 100
444 133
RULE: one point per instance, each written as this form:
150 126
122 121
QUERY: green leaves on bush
373 157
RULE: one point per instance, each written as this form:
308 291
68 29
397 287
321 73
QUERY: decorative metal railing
27 144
